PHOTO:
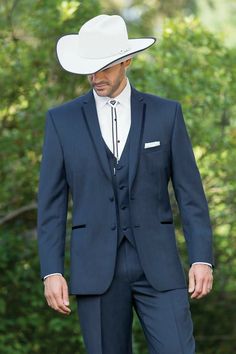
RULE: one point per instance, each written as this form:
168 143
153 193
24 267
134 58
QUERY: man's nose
96 76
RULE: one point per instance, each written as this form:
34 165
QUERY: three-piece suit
123 249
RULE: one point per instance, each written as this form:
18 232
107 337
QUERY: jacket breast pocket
162 147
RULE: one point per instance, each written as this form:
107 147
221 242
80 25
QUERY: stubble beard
109 91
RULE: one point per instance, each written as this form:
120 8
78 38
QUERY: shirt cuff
209 264
48 275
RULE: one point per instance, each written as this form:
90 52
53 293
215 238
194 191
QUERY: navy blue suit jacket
74 160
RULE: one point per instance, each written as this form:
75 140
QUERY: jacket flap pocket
78 226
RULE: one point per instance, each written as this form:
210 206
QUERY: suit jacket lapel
138 108
91 118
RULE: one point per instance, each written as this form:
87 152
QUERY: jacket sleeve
52 203
189 194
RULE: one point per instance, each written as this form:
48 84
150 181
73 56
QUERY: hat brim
70 60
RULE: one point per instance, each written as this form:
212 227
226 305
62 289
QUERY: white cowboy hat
101 42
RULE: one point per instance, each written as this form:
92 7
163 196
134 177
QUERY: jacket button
123 207
125 228
113 227
118 167
122 187
111 199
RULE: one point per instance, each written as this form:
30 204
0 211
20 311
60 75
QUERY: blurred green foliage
189 64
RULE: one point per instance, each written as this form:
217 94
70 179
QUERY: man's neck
123 85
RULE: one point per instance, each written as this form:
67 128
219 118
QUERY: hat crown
103 36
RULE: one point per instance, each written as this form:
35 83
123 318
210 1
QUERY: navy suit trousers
106 320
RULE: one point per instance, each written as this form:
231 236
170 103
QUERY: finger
198 288
57 306
62 307
191 285
64 310
205 290
53 303
206 287
208 282
65 295
60 310
60 303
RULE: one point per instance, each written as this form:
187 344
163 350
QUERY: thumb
191 285
65 295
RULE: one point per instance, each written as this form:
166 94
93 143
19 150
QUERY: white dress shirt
123 117
123 124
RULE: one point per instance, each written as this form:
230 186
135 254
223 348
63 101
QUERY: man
115 149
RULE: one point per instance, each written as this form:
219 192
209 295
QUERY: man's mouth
100 86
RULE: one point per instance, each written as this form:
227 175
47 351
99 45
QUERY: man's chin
101 94
101 91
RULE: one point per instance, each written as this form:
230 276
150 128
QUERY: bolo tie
113 103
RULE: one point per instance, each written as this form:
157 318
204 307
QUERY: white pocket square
151 144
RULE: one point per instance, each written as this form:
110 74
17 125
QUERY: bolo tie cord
114 140
114 118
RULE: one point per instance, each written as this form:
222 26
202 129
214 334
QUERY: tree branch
14 214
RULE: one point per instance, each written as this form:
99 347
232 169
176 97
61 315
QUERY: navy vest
121 191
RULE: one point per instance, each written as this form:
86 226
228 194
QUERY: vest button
123 207
122 187
111 199
113 227
132 197
118 167
136 226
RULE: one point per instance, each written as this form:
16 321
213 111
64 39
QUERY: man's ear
127 62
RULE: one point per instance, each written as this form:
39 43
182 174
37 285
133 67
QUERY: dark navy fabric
123 252
120 181
106 320
74 161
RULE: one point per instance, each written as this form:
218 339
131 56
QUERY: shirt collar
123 97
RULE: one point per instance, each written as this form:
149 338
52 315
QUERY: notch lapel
90 115
138 110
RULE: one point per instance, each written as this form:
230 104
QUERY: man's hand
200 280
56 293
